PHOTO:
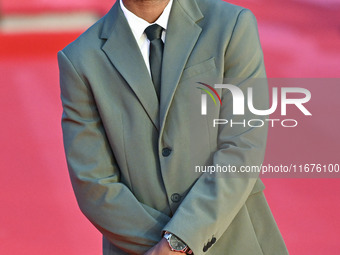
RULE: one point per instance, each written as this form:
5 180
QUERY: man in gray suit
133 129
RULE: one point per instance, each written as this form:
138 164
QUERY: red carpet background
38 211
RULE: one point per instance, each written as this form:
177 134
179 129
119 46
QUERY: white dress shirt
138 26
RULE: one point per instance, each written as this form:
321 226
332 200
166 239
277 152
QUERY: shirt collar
138 25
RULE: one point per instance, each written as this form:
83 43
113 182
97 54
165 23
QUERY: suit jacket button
175 197
166 152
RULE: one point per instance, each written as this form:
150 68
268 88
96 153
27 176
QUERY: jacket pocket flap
198 68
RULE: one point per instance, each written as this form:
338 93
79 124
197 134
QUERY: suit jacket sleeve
213 202
130 225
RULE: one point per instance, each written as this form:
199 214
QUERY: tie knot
154 32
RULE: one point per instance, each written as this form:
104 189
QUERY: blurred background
38 211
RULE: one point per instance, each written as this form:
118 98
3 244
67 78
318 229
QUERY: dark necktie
154 33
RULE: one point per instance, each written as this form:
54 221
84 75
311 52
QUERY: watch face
176 243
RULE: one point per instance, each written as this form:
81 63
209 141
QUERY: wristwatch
176 244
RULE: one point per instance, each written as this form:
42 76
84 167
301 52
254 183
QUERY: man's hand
162 248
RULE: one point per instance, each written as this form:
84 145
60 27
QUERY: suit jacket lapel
181 36
123 51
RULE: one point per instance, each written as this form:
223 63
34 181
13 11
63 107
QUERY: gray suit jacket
132 160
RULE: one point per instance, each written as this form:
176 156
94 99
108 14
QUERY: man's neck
148 10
